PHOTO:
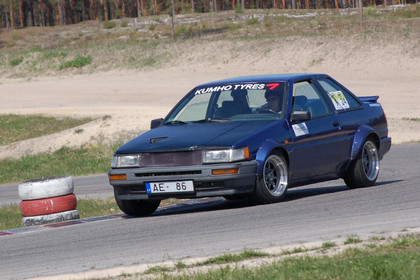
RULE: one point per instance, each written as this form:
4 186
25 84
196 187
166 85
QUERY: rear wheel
364 171
272 186
137 208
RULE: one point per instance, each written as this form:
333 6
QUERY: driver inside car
274 100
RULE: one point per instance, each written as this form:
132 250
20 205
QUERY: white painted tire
46 187
51 218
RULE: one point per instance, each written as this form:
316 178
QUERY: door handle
335 123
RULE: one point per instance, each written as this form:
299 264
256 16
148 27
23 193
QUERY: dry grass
145 42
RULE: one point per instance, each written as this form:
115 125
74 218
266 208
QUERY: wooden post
12 19
22 14
172 14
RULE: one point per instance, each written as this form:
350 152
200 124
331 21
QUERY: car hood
192 136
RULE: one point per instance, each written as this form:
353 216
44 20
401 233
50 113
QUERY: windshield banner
270 86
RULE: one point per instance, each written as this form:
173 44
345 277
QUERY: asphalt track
210 227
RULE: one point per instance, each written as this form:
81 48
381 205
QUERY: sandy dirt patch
124 102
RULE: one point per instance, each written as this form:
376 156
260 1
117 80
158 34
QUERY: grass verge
396 258
18 127
245 255
10 217
97 207
90 159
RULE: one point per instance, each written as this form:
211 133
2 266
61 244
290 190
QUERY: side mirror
155 123
300 116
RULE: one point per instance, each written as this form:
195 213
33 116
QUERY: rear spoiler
369 99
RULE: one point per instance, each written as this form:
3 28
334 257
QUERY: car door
318 144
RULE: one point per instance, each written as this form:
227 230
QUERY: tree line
23 13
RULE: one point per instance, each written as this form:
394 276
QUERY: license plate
170 187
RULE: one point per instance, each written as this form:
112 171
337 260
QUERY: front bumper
205 183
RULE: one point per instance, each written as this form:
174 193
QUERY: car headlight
121 161
228 155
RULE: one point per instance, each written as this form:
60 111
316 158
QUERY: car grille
154 174
170 159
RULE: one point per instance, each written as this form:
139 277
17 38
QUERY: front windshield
251 101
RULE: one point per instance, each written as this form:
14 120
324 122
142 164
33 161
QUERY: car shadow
219 203
388 182
300 193
201 205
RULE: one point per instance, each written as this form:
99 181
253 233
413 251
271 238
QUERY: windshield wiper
212 120
175 122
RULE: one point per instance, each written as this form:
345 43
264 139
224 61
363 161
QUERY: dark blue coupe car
252 137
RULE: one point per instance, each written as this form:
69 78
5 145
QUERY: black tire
272 186
137 208
364 170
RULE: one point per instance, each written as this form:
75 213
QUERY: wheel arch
268 147
362 134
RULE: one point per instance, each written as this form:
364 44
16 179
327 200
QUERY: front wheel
364 171
272 186
137 208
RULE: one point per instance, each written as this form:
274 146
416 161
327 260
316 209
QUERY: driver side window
306 97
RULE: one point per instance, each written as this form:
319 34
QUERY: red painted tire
47 206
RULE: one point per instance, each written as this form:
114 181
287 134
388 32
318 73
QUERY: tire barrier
47 200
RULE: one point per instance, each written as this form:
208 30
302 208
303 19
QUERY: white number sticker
300 129
339 100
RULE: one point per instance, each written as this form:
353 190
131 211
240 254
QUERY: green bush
78 62
180 30
252 21
119 13
16 61
109 24
238 9
370 12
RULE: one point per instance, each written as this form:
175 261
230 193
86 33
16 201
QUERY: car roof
265 78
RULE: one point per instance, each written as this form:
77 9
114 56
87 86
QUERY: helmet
240 93
270 93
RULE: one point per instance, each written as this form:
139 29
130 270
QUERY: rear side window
341 99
